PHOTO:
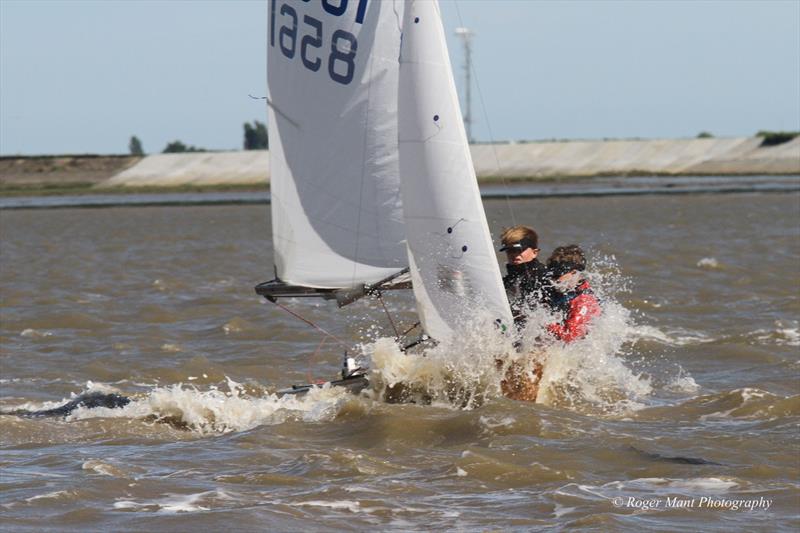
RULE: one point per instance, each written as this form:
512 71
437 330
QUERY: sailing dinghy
372 181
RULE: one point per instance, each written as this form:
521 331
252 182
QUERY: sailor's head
520 243
565 267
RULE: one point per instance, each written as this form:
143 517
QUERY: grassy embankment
80 175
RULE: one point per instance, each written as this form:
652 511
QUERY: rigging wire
388 315
328 333
471 67
311 360
409 330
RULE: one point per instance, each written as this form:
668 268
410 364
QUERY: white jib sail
332 75
454 269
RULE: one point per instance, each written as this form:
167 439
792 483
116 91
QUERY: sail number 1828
303 37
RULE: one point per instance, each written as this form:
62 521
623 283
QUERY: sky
81 77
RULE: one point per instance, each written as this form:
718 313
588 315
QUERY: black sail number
311 41
288 33
342 54
336 11
343 44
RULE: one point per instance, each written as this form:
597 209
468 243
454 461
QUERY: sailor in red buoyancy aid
572 296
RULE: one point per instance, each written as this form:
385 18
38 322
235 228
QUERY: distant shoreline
545 189
546 162
552 185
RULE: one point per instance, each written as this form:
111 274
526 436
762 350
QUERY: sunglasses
517 247
512 248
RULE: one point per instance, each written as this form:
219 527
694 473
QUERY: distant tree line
177 147
771 138
255 138
135 146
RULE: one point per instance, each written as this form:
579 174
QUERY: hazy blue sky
82 77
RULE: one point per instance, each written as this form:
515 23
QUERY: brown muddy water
679 411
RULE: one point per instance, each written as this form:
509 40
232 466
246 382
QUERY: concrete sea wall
742 156
734 156
199 169
525 161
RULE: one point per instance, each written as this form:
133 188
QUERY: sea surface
679 411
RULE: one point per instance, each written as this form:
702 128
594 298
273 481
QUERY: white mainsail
454 269
355 123
332 77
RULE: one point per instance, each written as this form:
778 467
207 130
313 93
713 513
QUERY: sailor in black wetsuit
527 282
527 286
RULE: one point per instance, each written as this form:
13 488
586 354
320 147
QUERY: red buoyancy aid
582 307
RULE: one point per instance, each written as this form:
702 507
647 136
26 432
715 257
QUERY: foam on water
785 332
710 263
703 484
221 411
677 337
349 505
683 383
746 404
89 387
490 422
175 503
35 333
171 348
102 468
51 495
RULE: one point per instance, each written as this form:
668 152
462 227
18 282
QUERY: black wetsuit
527 286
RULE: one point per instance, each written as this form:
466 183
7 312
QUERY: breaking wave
227 408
